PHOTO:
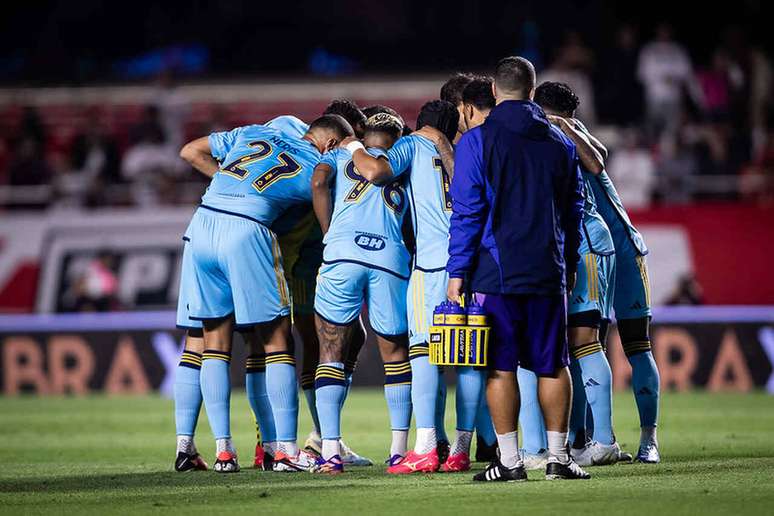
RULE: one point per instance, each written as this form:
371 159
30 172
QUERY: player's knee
194 340
635 335
393 348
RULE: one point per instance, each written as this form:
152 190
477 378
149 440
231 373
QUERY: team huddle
316 227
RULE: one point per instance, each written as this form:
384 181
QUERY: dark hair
380 108
558 97
479 93
515 75
442 115
347 109
385 123
451 91
334 123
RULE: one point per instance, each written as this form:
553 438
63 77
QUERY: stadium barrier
714 348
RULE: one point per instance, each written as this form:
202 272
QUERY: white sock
185 444
426 440
330 447
509 449
270 447
289 448
222 445
399 443
557 446
648 434
462 442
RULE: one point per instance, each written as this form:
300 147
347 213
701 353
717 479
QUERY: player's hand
347 140
454 290
571 278
431 133
558 121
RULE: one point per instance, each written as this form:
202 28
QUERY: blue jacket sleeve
573 214
470 207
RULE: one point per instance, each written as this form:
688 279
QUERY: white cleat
302 461
313 443
597 454
350 458
533 461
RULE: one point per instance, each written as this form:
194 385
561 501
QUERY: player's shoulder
556 135
471 138
376 152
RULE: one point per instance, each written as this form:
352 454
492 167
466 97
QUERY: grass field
114 455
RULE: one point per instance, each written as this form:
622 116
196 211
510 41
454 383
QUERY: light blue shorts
632 285
343 287
426 291
594 285
231 264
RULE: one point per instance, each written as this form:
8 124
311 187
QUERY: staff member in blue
514 236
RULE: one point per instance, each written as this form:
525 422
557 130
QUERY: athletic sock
598 385
557 446
440 409
648 435
307 385
645 384
188 396
255 385
185 444
216 391
424 391
225 444
533 427
426 441
330 448
330 389
462 442
509 449
578 409
282 390
484 426
397 391
470 385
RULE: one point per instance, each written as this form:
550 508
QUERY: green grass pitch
101 455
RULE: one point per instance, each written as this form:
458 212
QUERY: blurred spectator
632 169
572 66
664 68
677 169
686 292
757 181
716 83
620 93
173 106
96 290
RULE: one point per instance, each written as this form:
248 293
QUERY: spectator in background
632 170
716 83
665 70
677 170
96 289
686 292
174 107
620 93
572 66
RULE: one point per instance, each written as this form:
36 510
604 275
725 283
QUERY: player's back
431 206
596 232
367 218
262 172
289 125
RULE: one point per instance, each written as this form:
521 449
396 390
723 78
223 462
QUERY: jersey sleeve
401 154
222 142
329 158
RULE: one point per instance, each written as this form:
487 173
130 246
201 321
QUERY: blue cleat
648 453
394 460
332 466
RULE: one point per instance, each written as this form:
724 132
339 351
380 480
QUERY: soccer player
230 256
451 92
365 260
589 304
301 245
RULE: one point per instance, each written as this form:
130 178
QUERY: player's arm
592 139
442 143
376 170
197 153
321 195
589 156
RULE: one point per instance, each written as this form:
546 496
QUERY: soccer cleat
443 448
332 466
625 457
496 472
226 463
313 444
648 453
555 470
395 459
485 452
350 458
597 454
263 459
533 461
416 463
456 463
302 461
189 462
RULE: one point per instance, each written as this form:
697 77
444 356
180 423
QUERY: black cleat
570 471
189 462
443 447
486 452
496 472
226 463
268 462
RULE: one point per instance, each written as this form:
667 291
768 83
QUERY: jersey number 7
287 167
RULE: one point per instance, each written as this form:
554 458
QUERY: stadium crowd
679 130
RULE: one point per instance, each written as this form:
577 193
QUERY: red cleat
416 463
456 463
259 456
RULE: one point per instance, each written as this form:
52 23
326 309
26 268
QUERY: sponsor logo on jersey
369 242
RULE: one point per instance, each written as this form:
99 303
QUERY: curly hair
557 96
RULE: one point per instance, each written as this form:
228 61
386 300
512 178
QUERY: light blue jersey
262 172
596 233
289 125
367 218
431 205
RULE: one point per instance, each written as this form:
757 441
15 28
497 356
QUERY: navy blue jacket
517 204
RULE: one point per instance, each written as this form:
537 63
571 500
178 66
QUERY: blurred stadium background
97 100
